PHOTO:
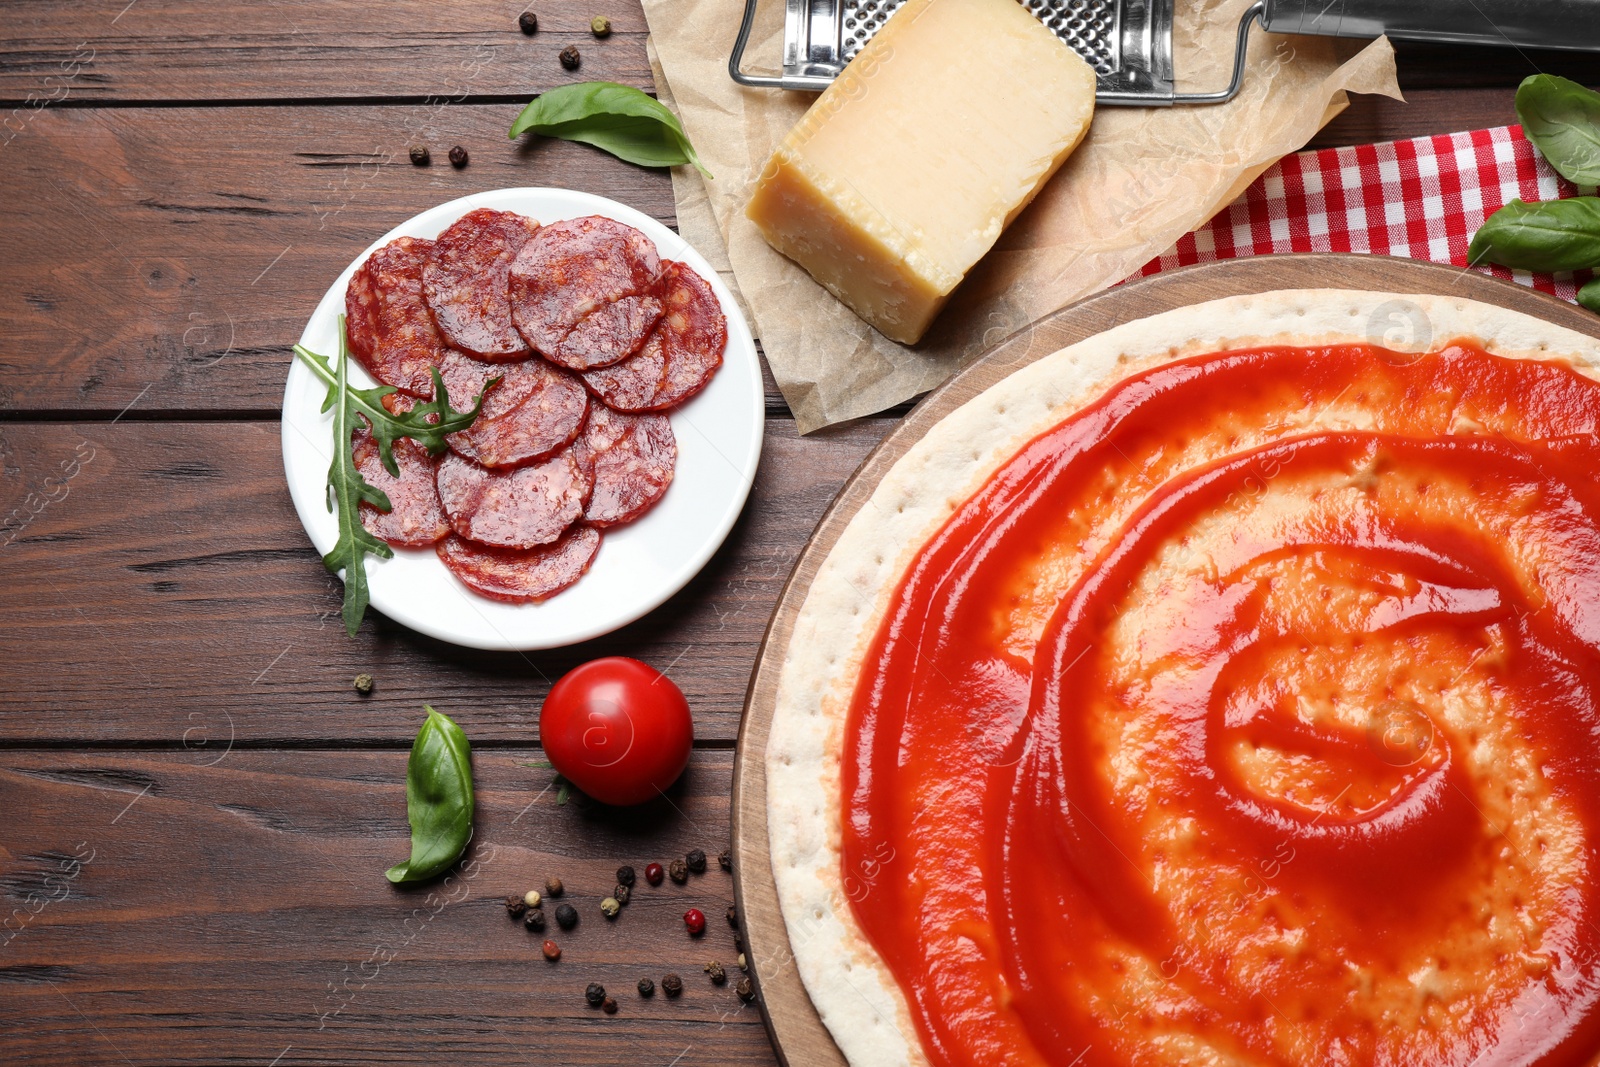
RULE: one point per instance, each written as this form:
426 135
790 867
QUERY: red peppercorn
653 873
552 951
695 920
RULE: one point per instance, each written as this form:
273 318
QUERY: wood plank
168 257
304 49
798 1031
263 930
288 49
160 589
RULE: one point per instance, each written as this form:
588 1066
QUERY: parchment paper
1142 178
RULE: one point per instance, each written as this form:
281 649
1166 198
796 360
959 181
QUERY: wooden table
196 807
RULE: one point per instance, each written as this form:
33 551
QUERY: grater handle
1570 24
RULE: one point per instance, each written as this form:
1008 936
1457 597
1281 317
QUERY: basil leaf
619 119
1589 296
439 801
1562 118
426 423
1554 235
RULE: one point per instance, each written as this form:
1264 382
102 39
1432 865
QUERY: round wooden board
797 1032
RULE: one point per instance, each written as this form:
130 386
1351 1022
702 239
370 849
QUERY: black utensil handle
1571 24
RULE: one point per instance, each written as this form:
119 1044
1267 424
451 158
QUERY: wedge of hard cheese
905 171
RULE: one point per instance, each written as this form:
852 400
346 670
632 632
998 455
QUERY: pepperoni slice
534 411
464 281
390 328
586 292
680 355
522 575
521 508
630 459
415 518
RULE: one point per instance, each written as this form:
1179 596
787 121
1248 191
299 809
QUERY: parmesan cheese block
904 172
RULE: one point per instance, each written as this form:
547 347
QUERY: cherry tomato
617 729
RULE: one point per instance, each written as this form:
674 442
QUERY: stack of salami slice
593 337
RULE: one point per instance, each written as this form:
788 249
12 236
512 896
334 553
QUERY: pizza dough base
855 994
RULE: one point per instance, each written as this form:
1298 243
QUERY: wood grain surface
797 1031
183 181
171 574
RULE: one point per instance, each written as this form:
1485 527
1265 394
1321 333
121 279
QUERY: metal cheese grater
1129 42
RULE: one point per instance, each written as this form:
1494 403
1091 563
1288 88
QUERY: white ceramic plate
639 565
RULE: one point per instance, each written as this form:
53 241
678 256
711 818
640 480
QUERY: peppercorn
515 907
595 994
552 951
570 57
733 916
746 991
566 916
528 23
458 157
695 920
553 887
531 898
647 988
600 26
697 861
672 985
625 875
622 893
738 941
679 871
609 1005
363 684
534 920
718 975
653 873
741 962
420 157
725 860
610 907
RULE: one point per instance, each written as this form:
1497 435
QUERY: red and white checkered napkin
1423 198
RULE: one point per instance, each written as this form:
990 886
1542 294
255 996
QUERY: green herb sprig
439 799
619 119
1562 119
427 424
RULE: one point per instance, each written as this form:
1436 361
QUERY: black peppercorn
625 875
534 920
515 907
678 872
733 915
528 23
420 156
718 975
697 861
570 57
600 26
553 887
647 988
746 991
725 860
672 985
363 684
595 994
566 916
609 1005
621 894
458 157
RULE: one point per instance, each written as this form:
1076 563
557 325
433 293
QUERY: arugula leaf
439 799
1562 118
1553 235
619 119
427 424
1589 296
